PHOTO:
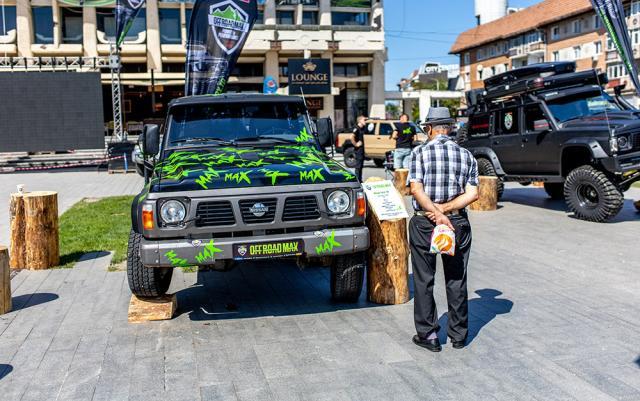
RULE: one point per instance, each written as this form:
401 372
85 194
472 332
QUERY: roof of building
538 15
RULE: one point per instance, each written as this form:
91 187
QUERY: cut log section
487 195
41 230
5 281
400 181
388 260
152 309
18 259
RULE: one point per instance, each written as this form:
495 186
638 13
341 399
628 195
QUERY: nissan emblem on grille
259 209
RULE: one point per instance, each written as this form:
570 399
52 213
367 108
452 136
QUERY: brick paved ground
554 315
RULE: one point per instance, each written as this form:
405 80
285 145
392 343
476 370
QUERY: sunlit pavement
554 307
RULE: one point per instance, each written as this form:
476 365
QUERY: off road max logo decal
508 121
268 249
229 24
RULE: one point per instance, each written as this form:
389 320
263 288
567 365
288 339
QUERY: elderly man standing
444 180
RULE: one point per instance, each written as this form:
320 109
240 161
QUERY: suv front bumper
202 252
622 163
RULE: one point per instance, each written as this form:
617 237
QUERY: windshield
416 127
231 122
581 105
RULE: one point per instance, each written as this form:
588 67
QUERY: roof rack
530 71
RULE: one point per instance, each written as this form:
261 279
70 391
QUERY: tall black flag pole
217 33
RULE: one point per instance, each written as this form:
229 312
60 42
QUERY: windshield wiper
267 137
203 139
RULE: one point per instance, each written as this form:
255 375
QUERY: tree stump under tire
487 195
400 181
151 309
5 281
388 260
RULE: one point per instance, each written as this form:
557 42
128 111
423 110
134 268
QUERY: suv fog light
172 212
338 202
147 217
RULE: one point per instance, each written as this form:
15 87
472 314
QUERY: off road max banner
126 13
217 33
611 13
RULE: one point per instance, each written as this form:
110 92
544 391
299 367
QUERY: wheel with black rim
145 281
378 162
347 277
555 190
350 157
591 195
485 168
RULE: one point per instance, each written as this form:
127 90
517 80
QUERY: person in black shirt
405 135
357 139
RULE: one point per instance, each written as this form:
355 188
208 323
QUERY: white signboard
385 200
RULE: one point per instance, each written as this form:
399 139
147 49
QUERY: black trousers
455 273
359 164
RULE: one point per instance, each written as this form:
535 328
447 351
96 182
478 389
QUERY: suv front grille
267 215
219 213
301 208
636 142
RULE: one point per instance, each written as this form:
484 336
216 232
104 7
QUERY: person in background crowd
405 135
357 139
444 180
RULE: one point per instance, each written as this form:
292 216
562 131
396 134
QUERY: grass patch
95 225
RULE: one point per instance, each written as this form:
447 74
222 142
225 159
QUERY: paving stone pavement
554 316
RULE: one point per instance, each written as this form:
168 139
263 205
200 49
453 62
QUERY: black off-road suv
549 123
245 177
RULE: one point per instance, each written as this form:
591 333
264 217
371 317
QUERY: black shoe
431 345
458 344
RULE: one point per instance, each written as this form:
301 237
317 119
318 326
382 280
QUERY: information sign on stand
387 203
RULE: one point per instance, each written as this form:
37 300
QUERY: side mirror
325 131
541 126
150 140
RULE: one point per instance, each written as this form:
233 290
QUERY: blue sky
424 30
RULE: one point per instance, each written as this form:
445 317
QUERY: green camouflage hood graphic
236 167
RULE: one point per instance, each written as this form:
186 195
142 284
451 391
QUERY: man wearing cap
444 180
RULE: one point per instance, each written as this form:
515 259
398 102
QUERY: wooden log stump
152 309
18 254
400 181
487 195
41 230
5 281
388 259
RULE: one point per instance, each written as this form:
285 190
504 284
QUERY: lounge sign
309 76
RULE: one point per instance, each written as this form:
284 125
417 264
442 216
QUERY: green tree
392 110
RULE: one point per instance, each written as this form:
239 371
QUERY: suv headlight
338 202
172 212
624 143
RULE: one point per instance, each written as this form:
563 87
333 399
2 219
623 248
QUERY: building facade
553 30
350 33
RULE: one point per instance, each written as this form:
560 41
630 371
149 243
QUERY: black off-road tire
485 167
555 190
378 162
591 195
145 281
350 157
347 277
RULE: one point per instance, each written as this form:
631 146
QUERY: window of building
248 70
635 7
283 69
533 113
296 2
467 58
260 16
596 22
71 25
106 22
577 26
42 25
556 56
508 121
346 18
187 17
635 36
506 67
597 47
350 3
616 71
351 70
480 54
577 52
480 74
131 68
309 18
285 17
170 32
8 21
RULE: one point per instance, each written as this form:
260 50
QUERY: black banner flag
126 13
217 33
611 12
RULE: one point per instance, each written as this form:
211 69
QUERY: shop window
43 25
284 17
346 18
71 25
170 26
309 18
8 21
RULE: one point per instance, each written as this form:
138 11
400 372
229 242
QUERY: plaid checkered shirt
444 168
